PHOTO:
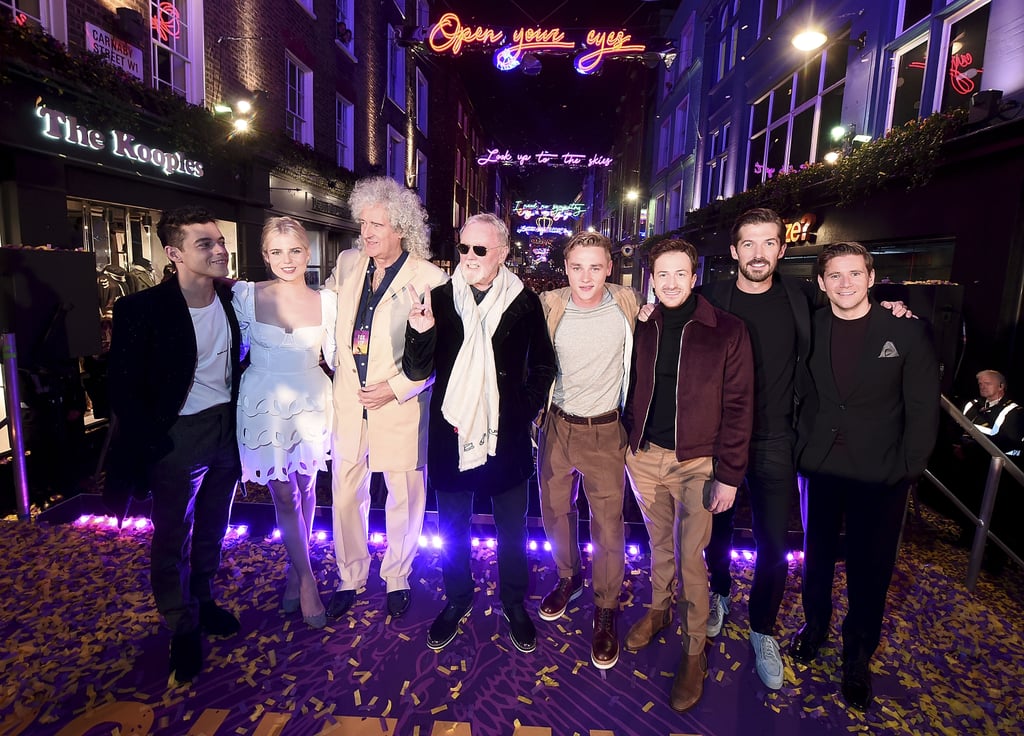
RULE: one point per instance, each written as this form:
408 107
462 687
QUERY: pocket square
889 350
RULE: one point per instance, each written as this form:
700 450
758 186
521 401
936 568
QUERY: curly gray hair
405 213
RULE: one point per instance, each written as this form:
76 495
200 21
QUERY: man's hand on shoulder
898 309
645 313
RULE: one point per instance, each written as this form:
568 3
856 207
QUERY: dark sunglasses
479 250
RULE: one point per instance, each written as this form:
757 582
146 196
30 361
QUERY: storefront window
893 262
908 83
965 58
792 121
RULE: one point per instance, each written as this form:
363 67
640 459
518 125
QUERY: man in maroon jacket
689 416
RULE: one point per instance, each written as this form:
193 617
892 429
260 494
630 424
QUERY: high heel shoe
290 605
318 621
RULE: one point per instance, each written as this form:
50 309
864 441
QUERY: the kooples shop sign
62 127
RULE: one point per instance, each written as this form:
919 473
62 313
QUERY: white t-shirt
212 382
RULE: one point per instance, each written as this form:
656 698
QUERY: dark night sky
559 109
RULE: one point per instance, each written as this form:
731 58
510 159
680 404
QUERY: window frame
786 119
395 73
305 101
344 133
396 155
422 106
344 12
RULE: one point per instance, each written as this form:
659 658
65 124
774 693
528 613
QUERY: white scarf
471 401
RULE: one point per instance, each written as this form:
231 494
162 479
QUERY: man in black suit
865 433
174 374
777 312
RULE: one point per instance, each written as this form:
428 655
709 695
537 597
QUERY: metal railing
983 520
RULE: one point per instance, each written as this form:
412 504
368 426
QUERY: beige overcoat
397 432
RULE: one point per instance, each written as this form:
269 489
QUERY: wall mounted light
811 39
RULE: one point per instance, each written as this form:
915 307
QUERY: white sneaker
768 660
716 614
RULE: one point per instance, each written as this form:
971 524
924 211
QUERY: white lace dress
285 406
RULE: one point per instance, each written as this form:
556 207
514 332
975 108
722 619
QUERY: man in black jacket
174 375
484 336
777 312
865 434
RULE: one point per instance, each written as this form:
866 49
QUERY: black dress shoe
857 685
186 656
217 621
446 625
398 602
521 630
341 601
806 645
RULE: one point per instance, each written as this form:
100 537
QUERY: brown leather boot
641 633
688 685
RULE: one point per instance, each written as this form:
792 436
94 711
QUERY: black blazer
153 358
890 418
803 298
525 364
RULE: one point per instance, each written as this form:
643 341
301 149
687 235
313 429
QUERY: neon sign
604 44
799 231
449 35
535 229
529 210
961 77
166 21
544 158
59 126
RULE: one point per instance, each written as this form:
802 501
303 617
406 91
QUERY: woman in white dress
284 404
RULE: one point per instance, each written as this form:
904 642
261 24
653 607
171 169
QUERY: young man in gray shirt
582 439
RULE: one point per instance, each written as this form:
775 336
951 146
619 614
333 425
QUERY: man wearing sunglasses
482 334
582 439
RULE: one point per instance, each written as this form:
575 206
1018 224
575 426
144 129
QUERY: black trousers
873 514
454 514
771 481
192 487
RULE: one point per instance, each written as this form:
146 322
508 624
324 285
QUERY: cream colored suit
392 439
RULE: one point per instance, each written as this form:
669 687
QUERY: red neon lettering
448 34
166 22
962 81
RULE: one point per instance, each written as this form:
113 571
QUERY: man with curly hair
379 414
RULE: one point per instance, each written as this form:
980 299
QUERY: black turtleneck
661 420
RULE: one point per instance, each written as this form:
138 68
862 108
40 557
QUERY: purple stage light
547 546
275 535
589 548
423 541
734 555
321 536
633 550
435 542
748 555
377 538
475 541
492 543
532 545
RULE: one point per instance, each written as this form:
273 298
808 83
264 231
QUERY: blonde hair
405 213
287 226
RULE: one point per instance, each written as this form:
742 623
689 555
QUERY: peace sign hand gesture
421 318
